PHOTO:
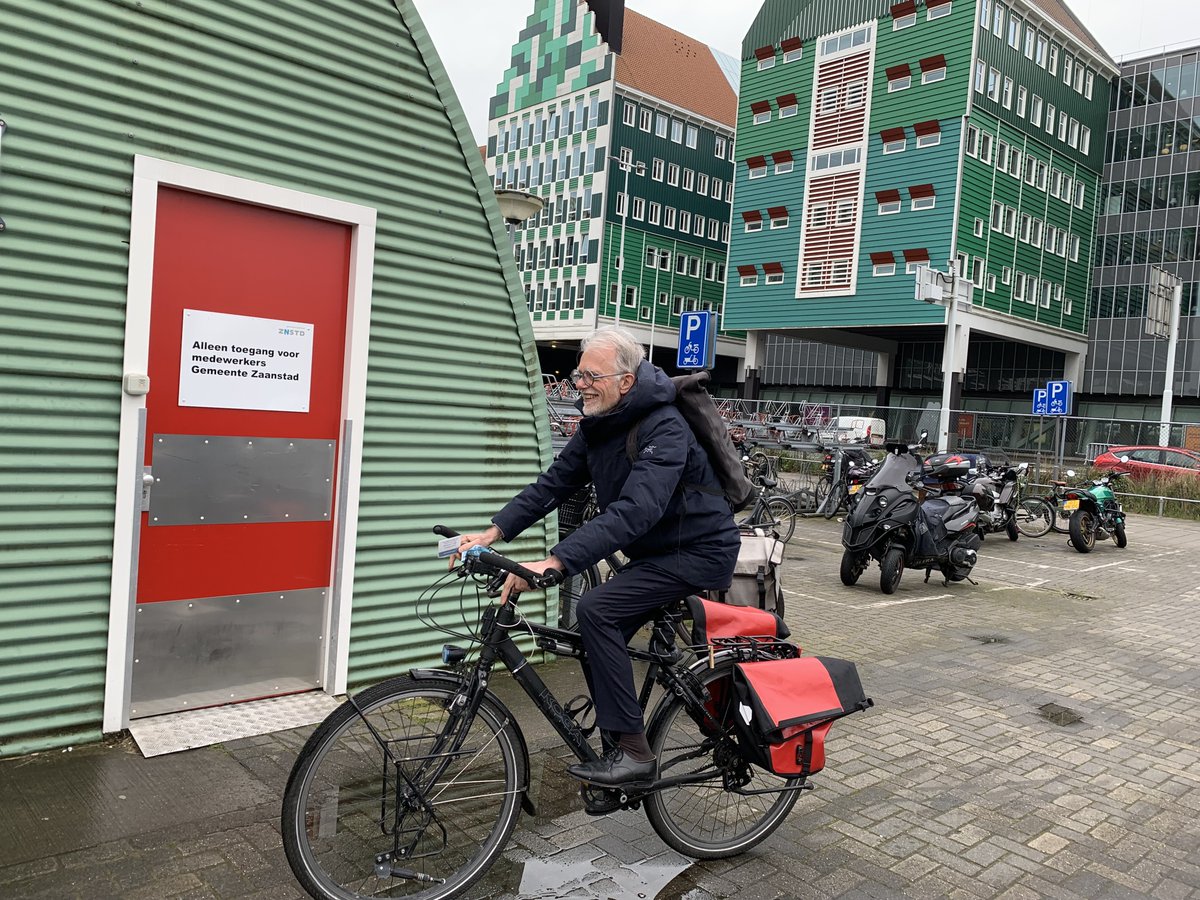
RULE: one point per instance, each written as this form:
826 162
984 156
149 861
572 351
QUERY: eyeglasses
584 378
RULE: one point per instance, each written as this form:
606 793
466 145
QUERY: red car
1144 461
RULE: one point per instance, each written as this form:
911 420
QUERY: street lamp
929 290
640 167
515 208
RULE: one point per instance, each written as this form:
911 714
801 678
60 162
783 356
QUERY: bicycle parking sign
1052 400
697 340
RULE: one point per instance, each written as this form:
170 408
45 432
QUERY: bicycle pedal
600 801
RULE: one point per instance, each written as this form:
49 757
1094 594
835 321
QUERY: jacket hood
652 389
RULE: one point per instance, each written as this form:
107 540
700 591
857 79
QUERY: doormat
158 735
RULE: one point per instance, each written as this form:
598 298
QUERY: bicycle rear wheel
837 498
781 512
1034 517
705 821
569 592
452 812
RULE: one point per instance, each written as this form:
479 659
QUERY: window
639 208
757 167
931 71
779 219
829 100
1041 176
1022 101
812 275
655 215
1088 83
1002 155
626 156
718 189
1006 275
1035 233
972 141
789 110
855 94
1035 111
1006 96
1047 287
845 212
661 124
1050 118
685 221
628 113
818 215
656 169
1073 133
835 158
693 136
1068 188
980 76
899 83
714 229
1079 190
1043 45
1030 37
620 205
774 278
926 202
1052 66
1025 225
1068 68
694 266
701 184
1014 32
766 62
991 283
689 179
895 145
979 228
984 14
631 293
931 139
673 174
753 221
698 226
905 21
1062 126
664 264
878 269
997 215
936 10
993 85
784 166
911 266
762 116
1010 221
710 271
676 131
1085 140
1033 288
998 19
793 55
651 258
681 262
1019 286
647 119
669 217
719 147
889 206
1055 182
977 271
748 280
985 148
1014 163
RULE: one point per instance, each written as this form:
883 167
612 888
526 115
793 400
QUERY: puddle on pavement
582 872
1059 715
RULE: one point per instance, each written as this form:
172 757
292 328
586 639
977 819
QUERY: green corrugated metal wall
343 98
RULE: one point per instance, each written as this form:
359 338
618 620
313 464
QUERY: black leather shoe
615 769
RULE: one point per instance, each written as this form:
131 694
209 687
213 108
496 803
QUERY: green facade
965 188
91 83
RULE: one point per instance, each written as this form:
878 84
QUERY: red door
243 422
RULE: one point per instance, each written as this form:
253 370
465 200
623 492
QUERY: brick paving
965 780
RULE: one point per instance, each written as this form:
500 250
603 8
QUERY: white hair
629 353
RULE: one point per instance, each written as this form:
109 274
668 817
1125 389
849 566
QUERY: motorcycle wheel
1012 530
1119 535
1082 529
852 568
891 567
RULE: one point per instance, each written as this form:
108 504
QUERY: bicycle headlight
452 655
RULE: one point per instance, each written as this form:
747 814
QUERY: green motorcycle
1095 513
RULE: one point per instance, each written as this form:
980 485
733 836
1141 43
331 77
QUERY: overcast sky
475 37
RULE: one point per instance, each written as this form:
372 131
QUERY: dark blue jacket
650 509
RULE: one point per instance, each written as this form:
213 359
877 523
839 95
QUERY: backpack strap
631 453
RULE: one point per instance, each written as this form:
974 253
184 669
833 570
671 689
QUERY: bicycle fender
450 678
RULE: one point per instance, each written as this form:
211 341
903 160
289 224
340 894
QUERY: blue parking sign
1058 398
697 344
1041 404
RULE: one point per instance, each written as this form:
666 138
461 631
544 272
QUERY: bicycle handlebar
494 560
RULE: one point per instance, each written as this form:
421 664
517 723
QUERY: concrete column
756 354
883 378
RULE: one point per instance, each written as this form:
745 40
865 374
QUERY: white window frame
693 137
917 204
757 172
890 207
654 214
978 228
657 169
662 124
1022 100
845 213
828 102
1006 94
783 168
676 131
748 280
793 55
993 84
929 140
932 13
786 112
774 278
899 84
647 120
1006 275
719 145
883 269
818 215
781 222
767 62
895 146
933 75
673 174
762 118
689 179
639 208
908 21
980 76
629 112
752 225
910 268
669 217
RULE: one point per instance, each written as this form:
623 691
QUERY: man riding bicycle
664 510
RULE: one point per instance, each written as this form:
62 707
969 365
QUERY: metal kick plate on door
219 480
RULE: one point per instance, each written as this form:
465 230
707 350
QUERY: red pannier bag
712 620
786 706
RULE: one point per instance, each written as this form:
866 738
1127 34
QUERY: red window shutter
882 259
930 127
921 190
777 212
888 196
752 216
920 255
907 8
760 106
891 134
932 3
782 156
747 271
765 52
794 43
929 63
900 71
773 268
756 162
786 100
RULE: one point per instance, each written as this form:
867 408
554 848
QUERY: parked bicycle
770 512
413 787
837 465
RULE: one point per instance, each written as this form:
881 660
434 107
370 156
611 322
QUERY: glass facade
1149 216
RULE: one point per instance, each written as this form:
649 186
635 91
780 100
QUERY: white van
855 430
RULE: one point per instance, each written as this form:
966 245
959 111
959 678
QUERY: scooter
888 523
997 496
1096 514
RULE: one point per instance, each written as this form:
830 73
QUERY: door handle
147 484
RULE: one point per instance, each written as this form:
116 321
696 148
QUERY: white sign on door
244 362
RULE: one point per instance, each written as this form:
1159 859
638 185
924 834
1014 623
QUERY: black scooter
890 525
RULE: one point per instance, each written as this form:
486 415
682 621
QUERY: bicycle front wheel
438 795
781 512
1034 517
704 820
835 501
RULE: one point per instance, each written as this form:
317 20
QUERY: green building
875 139
252 268
633 155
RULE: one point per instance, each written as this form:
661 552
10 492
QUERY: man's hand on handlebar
517 584
467 541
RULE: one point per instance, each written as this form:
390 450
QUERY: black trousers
609 615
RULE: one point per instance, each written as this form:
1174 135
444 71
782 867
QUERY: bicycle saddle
1059 483
768 481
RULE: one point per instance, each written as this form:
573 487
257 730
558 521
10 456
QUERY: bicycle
414 786
770 512
1048 514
